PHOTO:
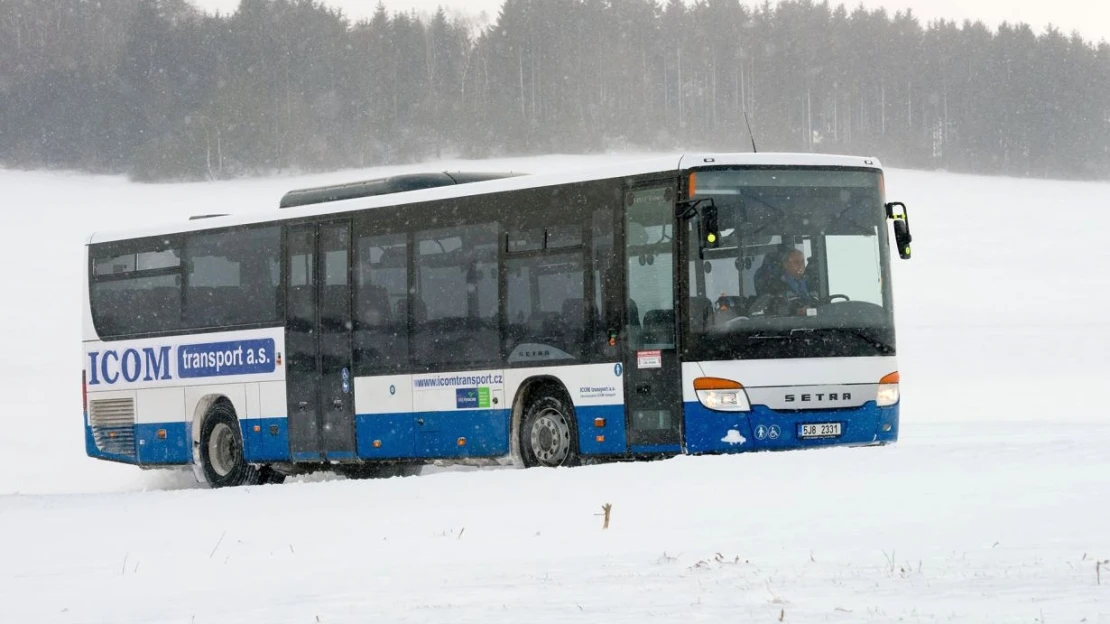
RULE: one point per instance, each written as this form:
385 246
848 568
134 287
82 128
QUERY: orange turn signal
600 438
890 379
599 422
716 383
462 442
377 443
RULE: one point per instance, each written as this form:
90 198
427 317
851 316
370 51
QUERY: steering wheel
832 298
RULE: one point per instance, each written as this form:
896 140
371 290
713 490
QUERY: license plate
819 430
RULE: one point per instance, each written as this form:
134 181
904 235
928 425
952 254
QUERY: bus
693 304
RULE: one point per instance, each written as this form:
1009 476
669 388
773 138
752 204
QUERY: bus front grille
113 425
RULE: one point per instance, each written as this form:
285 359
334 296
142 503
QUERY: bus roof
662 165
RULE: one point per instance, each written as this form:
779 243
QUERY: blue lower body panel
175 448
92 450
141 444
427 435
462 433
266 439
610 438
384 436
762 428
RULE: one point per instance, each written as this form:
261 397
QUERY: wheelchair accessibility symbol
763 432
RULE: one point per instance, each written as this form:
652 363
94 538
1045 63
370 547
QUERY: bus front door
653 395
318 376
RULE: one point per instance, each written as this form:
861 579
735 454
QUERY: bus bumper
763 428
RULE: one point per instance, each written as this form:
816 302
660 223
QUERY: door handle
643 388
420 421
337 403
302 406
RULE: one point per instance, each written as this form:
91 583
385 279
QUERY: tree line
160 90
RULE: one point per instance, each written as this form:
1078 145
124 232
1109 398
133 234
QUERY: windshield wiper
879 345
862 335
762 336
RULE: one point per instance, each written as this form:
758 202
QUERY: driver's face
794 265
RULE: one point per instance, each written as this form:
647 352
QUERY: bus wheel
221 451
546 434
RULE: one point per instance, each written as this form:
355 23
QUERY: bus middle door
319 376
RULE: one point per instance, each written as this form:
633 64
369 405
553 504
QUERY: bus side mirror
902 236
710 229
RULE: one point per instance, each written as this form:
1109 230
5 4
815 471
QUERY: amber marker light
161 434
599 422
722 395
888 390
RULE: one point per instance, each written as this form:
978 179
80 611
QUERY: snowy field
993 507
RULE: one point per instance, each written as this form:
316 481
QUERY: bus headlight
888 391
722 395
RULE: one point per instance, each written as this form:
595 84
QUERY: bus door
319 378
653 393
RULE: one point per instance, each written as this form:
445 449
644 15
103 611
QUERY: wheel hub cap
222 449
550 437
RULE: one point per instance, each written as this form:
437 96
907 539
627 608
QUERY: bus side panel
146 396
597 394
383 417
266 428
112 440
161 428
463 414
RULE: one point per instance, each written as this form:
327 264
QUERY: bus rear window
205 280
136 288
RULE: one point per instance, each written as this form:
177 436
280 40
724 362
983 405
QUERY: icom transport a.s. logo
217 359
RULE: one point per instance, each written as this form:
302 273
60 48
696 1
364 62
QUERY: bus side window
456 282
549 316
381 332
229 279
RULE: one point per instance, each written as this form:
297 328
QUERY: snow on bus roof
662 164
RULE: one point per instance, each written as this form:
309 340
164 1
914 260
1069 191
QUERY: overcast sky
1090 17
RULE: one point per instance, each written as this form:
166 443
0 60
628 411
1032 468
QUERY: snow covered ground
992 508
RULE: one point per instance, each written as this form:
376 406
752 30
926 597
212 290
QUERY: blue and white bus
688 305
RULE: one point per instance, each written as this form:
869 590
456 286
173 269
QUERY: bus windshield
800 269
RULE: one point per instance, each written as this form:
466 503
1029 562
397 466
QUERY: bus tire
221 451
547 436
